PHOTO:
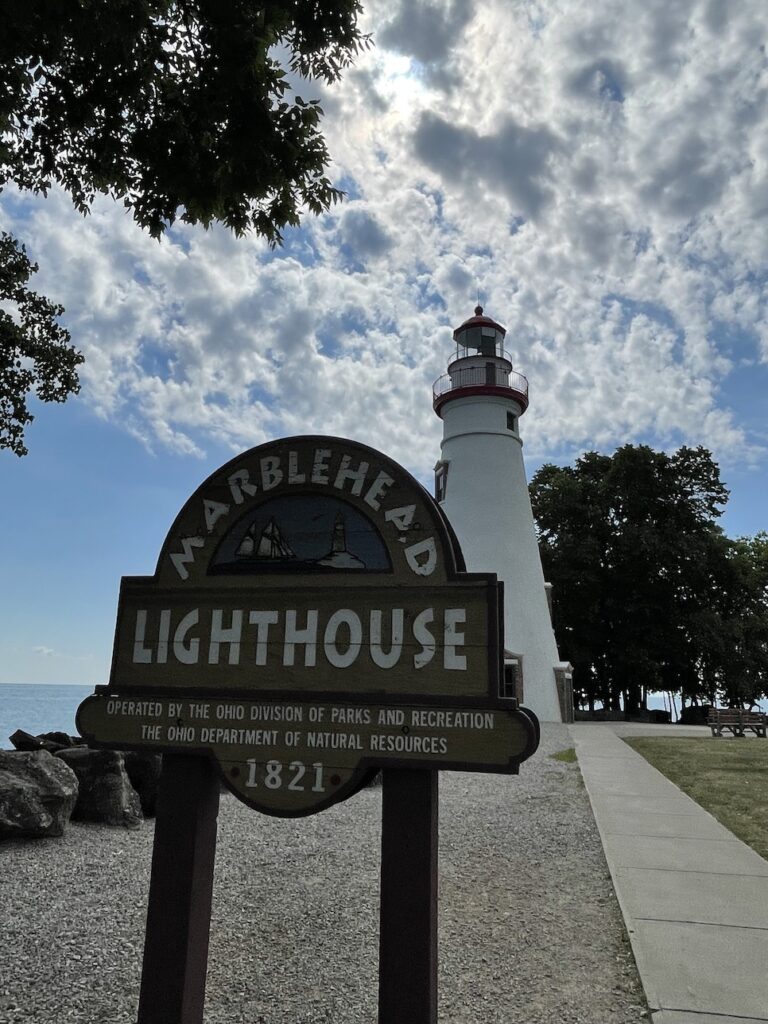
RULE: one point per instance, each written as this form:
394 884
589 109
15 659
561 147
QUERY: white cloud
599 172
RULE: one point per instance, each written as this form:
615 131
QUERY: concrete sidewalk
694 897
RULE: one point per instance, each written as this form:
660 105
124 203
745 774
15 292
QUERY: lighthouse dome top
480 325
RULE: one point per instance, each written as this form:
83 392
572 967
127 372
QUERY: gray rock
61 739
144 772
26 741
50 741
106 793
37 794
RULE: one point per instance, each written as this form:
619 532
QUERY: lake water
38 708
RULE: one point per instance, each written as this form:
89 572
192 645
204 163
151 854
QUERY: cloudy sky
597 173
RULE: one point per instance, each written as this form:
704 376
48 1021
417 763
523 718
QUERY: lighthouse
480 483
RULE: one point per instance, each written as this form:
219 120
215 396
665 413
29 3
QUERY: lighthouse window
441 480
513 677
511 421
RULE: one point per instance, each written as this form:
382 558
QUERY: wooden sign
309 621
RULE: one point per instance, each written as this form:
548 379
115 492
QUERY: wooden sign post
180 891
309 623
408 908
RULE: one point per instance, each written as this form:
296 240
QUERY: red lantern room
481 366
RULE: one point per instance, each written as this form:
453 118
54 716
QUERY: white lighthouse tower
480 483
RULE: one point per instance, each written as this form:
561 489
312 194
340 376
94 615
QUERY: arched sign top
308 506
309 565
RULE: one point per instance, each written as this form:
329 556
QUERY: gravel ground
530 931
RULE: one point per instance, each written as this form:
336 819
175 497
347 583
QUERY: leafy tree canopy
648 592
181 109
34 348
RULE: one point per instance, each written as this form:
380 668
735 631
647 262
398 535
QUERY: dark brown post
408 913
179 911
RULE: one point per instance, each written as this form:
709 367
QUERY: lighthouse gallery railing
474 376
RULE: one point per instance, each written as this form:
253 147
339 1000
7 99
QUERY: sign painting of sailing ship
268 544
302 533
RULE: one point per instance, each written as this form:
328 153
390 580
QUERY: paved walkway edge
693 896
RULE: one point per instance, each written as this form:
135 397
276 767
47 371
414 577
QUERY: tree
645 584
738 664
574 541
182 109
34 349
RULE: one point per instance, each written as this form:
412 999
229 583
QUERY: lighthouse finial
478 310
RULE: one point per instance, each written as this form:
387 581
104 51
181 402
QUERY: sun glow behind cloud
400 84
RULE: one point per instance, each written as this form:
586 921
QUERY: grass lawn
728 777
569 755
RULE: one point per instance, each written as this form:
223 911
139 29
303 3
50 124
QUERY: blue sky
600 176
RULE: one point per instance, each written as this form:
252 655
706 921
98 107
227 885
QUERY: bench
737 721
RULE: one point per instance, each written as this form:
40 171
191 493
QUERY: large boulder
144 772
50 741
26 741
37 794
106 793
61 739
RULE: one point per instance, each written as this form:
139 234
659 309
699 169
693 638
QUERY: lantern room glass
487 341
